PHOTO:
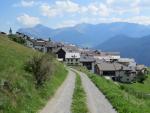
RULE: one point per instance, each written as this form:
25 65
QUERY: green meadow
18 93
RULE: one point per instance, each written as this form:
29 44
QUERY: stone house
127 62
116 71
107 56
69 55
88 62
72 58
40 46
37 44
30 43
142 69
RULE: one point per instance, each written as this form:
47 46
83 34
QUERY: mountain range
88 35
137 48
130 39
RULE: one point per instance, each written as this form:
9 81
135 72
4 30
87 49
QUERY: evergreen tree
49 39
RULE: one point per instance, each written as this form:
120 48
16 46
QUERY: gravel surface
61 102
97 103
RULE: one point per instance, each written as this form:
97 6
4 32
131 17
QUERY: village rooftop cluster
107 64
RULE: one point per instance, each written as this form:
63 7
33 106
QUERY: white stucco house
72 58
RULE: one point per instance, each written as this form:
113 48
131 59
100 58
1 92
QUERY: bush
141 77
17 39
41 66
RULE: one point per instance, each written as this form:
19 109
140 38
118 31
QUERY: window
71 60
128 75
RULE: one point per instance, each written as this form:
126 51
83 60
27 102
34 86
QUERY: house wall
49 49
72 61
93 67
107 57
29 44
124 77
88 65
108 73
41 48
97 70
61 54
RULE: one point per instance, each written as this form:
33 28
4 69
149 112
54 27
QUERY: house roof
50 44
106 66
72 55
126 60
111 53
31 40
3 33
140 67
39 43
70 48
85 58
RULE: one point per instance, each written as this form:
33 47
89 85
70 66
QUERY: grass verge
121 100
140 87
79 98
18 93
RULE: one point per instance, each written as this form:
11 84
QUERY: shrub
41 66
141 77
17 39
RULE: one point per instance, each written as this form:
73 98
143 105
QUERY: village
108 64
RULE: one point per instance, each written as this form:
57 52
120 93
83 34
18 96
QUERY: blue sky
64 13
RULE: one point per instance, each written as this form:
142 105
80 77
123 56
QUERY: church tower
10 31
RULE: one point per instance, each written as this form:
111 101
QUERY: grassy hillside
140 87
121 100
17 88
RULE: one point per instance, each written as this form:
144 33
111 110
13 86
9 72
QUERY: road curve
61 102
96 101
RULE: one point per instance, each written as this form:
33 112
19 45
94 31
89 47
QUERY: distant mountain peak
137 48
39 25
89 34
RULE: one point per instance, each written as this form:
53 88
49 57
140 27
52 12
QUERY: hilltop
18 92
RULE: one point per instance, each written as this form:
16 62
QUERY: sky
63 13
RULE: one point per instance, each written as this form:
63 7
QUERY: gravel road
61 102
96 101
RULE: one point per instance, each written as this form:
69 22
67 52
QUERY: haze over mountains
88 34
131 40
137 48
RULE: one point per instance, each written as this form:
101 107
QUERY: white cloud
137 19
67 23
103 9
59 8
99 9
69 7
122 7
94 12
48 11
144 3
28 21
25 3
